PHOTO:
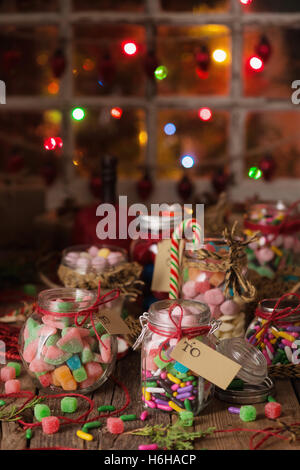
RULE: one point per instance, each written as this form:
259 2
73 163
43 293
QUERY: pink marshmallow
264 255
12 386
202 287
189 290
229 307
215 311
214 296
8 373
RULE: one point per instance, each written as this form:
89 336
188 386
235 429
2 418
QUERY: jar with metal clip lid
169 386
154 228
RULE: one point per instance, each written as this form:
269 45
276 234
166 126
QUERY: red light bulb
116 113
129 48
205 114
256 64
50 143
246 2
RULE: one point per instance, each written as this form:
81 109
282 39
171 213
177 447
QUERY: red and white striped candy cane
176 237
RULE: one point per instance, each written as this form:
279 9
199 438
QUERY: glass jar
203 280
153 229
161 380
58 354
278 246
279 341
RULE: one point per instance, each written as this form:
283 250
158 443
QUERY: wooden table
128 371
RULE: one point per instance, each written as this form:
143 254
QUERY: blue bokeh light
170 128
187 161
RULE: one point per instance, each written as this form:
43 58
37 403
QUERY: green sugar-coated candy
161 364
65 330
106 408
80 374
52 340
63 307
87 355
128 417
2 403
189 378
68 405
73 346
28 433
92 425
16 366
41 411
99 328
271 399
248 413
186 418
58 360
187 404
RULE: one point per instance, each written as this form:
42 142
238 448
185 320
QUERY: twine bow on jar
273 318
86 314
179 332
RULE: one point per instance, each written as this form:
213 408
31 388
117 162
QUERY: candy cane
176 237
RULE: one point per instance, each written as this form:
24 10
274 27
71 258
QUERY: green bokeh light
254 173
78 114
161 72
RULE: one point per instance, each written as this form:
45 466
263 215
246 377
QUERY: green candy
87 355
187 405
106 408
128 417
16 366
28 433
248 413
52 340
92 425
2 403
68 405
161 364
63 307
271 399
265 271
99 328
60 360
73 346
80 374
186 418
41 411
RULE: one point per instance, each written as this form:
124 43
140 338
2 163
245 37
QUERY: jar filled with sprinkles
63 344
275 331
167 385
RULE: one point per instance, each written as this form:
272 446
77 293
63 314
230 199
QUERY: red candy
8 373
273 410
115 425
12 386
50 424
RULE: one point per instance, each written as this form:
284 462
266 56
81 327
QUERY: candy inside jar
278 245
203 280
59 354
275 330
167 385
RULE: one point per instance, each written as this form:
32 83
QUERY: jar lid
254 368
249 395
267 306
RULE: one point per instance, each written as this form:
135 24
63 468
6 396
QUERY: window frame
235 103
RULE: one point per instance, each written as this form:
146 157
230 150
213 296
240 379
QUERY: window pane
100 133
196 6
204 141
276 134
27 6
178 49
116 5
100 64
25 58
275 6
22 138
282 67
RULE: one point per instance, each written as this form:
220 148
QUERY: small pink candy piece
87 383
151 404
31 350
202 287
93 370
163 375
93 251
8 373
264 255
45 380
229 307
189 290
38 365
148 447
106 352
47 331
115 425
214 296
50 424
144 415
12 386
215 311
175 387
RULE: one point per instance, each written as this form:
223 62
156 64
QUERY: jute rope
232 263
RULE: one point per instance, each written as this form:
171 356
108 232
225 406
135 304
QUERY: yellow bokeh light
75 162
53 116
219 55
143 138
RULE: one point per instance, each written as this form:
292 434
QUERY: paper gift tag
206 362
112 322
161 273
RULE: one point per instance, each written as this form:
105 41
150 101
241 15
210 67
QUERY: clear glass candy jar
58 354
275 330
278 245
203 280
166 386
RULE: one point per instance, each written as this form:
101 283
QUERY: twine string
87 313
275 316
